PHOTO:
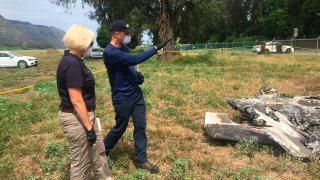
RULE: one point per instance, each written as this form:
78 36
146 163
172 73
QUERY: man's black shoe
148 166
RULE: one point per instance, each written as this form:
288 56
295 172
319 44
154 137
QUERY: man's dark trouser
124 109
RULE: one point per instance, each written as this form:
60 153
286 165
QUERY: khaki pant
87 162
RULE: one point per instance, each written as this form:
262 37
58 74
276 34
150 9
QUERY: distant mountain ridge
26 35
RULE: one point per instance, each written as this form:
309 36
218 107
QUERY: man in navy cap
127 97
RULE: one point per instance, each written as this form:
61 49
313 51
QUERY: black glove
91 137
140 78
163 44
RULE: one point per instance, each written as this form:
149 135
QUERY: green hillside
17 34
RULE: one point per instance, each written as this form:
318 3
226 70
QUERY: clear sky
42 12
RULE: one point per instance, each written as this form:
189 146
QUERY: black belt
71 110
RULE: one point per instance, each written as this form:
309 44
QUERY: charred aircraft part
288 120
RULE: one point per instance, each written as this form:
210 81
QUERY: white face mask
87 53
127 39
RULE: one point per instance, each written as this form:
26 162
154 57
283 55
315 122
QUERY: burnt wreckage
291 122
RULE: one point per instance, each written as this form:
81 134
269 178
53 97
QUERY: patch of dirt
168 56
36 126
108 104
310 86
179 131
28 166
25 163
51 51
48 62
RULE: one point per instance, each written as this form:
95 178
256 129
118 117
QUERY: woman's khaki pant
87 162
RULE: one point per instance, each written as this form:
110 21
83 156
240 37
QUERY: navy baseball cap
121 25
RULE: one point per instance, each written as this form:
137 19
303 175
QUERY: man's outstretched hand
163 44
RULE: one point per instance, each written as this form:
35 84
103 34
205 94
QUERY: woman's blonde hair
78 37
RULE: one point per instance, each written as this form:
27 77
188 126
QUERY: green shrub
56 157
247 172
147 89
237 86
179 169
215 101
170 111
222 173
188 123
45 86
205 58
246 147
139 174
313 166
56 149
138 50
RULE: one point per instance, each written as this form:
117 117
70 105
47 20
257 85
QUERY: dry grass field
178 93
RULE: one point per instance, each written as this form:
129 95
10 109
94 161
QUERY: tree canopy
200 21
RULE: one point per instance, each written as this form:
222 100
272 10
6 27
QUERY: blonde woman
75 84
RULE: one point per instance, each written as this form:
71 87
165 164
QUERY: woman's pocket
71 126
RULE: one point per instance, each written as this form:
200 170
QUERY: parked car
96 53
12 59
272 47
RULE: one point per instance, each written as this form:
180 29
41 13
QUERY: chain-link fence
311 45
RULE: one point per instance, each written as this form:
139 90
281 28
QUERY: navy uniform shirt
72 73
122 75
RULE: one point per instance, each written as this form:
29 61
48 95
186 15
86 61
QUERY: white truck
272 47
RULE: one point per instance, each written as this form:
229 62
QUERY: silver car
96 53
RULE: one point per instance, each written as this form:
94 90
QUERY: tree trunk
164 24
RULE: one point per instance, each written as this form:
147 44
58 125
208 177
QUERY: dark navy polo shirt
72 73
122 75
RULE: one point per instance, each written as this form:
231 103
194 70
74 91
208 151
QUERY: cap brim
129 30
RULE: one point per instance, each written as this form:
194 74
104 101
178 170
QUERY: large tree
200 21
142 14
189 20
310 16
293 8
276 22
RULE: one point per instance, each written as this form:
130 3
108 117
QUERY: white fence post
292 40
